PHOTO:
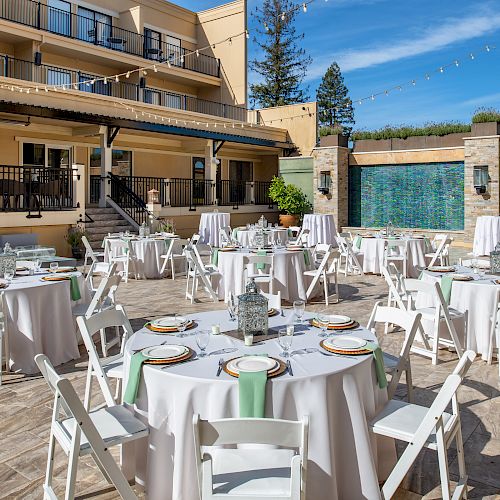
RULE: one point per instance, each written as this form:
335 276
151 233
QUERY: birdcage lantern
253 316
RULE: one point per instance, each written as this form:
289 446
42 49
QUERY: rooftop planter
334 140
485 129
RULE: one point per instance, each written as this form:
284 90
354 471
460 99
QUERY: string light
127 74
304 7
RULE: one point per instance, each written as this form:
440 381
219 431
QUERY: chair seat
252 472
430 255
256 276
114 369
120 258
101 267
81 309
395 257
400 420
115 425
390 362
99 254
428 313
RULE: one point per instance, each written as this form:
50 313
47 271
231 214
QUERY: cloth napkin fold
357 242
307 257
378 357
446 285
74 288
252 393
134 377
215 257
261 265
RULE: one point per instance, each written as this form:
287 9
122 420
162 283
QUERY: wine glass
285 339
181 328
323 320
54 266
38 265
299 307
8 275
202 339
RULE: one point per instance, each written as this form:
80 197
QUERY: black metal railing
98 32
235 193
47 75
140 185
261 193
127 200
190 192
26 188
94 189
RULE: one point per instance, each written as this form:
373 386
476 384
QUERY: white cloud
484 100
453 30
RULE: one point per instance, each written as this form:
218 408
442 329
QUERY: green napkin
307 256
134 377
378 357
74 288
252 394
357 242
445 284
261 265
215 256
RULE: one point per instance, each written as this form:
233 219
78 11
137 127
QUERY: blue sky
383 43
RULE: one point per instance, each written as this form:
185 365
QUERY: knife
289 366
221 361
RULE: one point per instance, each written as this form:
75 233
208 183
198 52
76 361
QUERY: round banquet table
338 394
148 252
373 255
210 224
245 236
478 297
289 267
39 320
321 229
486 234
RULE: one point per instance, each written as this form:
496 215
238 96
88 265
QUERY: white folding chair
198 271
437 314
349 256
302 237
441 245
225 236
397 294
123 252
273 300
175 252
431 428
90 254
81 433
294 230
480 263
494 339
396 251
101 269
204 249
111 366
251 472
260 268
4 336
322 274
396 365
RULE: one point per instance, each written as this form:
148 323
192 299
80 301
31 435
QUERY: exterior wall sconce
481 179
325 182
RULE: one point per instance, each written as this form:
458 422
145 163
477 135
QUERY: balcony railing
43 17
26 188
47 75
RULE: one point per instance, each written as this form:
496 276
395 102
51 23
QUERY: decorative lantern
262 221
495 260
252 311
7 260
153 197
481 179
260 238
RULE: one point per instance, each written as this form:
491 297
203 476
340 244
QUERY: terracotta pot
287 220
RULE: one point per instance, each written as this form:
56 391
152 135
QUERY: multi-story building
73 134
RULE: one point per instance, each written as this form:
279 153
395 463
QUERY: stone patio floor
25 402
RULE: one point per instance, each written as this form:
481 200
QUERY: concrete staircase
106 220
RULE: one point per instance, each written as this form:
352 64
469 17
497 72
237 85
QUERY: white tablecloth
245 236
477 297
147 251
486 235
289 276
373 255
337 394
39 320
322 229
210 223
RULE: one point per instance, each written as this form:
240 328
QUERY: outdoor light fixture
481 178
325 182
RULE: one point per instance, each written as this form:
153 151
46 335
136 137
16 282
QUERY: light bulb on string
414 82
155 69
230 41
266 27
304 7
487 47
105 81
127 75
283 16
182 59
471 55
457 63
247 34
427 77
197 53
144 72
441 69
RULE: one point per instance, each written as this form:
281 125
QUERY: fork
219 369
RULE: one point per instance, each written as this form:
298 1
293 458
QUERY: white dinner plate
441 269
170 321
462 277
346 343
337 319
164 351
252 364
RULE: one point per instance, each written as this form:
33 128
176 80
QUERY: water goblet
202 339
8 275
299 307
54 266
285 339
323 320
37 265
181 328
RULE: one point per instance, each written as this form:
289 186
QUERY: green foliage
284 63
327 130
484 115
334 104
405 131
74 236
290 199
166 226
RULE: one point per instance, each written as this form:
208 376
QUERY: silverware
282 312
221 361
289 366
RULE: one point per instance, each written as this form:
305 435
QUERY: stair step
98 210
107 222
97 217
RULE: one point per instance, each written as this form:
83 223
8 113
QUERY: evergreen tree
334 104
285 63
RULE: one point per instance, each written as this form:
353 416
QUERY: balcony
47 75
40 16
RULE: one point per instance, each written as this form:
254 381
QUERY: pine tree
334 104
285 63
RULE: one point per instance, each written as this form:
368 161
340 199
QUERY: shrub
327 130
484 115
405 131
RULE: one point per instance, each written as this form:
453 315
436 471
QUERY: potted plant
291 201
74 240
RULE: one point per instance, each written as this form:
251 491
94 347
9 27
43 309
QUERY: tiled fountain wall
427 196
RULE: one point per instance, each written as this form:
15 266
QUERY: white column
106 163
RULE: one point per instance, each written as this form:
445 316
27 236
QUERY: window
152 96
40 155
324 182
174 101
58 77
174 50
94 27
59 17
152 44
240 170
121 162
33 154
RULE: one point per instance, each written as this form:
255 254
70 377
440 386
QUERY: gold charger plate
56 278
279 371
171 361
349 326
437 269
227 249
173 329
357 352
63 270
272 312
